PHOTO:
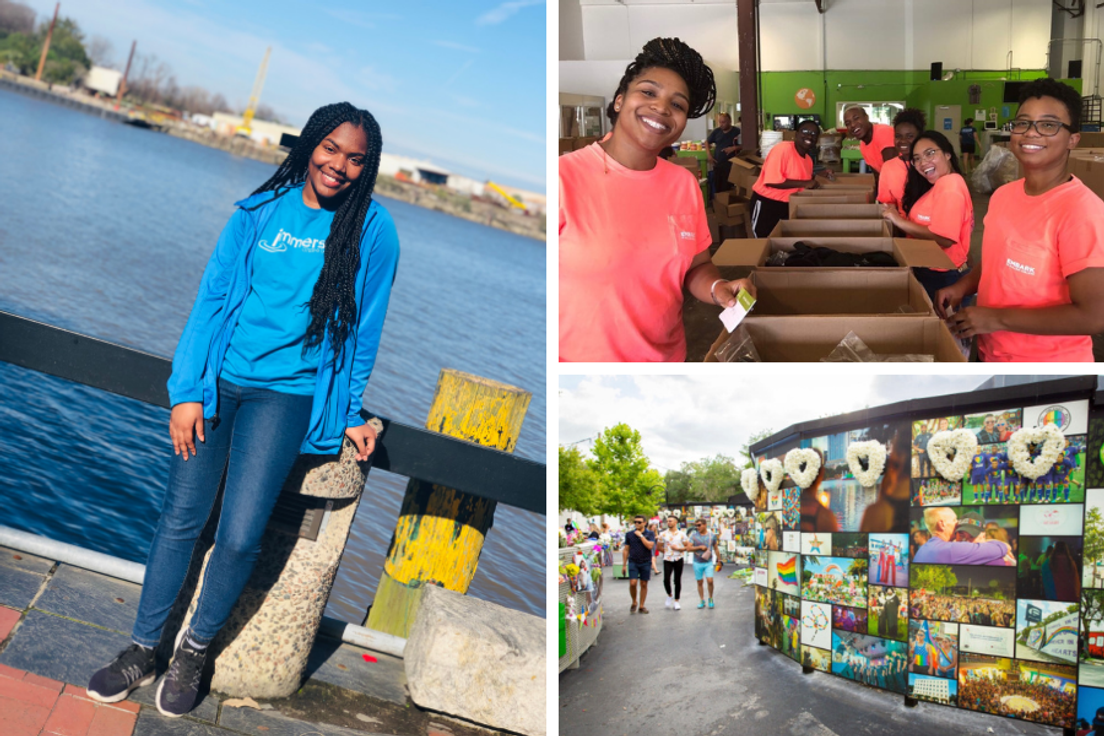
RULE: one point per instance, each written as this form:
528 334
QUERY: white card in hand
735 314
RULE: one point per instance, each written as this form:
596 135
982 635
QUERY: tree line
151 81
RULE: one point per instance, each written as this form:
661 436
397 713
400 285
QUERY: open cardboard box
844 181
815 210
838 228
834 196
911 252
808 339
822 291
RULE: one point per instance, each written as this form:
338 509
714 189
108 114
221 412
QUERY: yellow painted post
440 532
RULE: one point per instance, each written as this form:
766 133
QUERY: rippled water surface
105 230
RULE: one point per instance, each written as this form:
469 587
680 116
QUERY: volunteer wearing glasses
907 127
788 169
633 232
936 206
1040 285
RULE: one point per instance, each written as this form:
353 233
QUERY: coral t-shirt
891 183
882 138
1030 247
626 242
783 162
947 210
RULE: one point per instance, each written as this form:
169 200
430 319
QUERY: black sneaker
177 693
134 667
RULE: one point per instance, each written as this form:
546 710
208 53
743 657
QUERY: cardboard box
815 210
845 181
833 196
584 141
820 291
789 135
837 228
1093 176
751 252
567 145
808 339
1091 140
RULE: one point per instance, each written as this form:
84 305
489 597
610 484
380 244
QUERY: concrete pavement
702 673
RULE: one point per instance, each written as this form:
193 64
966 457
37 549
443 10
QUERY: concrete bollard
263 648
440 532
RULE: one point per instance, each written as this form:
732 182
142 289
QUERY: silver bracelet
711 294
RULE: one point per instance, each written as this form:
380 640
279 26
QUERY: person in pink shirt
632 227
1040 285
907 127
788 169
875 139
937 207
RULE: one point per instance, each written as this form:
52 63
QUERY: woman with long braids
907 126
272 363
936 206
633 230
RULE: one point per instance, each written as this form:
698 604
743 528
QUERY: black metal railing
403 449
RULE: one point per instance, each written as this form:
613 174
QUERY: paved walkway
59 624
702 672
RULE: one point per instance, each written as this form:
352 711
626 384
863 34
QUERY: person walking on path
273 362
653 527
636 555
704 545
673 543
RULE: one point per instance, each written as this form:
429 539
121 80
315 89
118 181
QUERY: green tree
627 485
745 449
1093 551
677 484
857 568
1092 611
66 61
937 578
713 479
578 483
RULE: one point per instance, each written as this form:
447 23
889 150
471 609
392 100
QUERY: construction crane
508 198
247 117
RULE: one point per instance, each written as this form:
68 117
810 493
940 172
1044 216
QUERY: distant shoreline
441 200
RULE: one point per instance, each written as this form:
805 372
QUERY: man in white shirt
673 543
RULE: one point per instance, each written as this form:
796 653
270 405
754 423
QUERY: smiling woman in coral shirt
633 232
1040 286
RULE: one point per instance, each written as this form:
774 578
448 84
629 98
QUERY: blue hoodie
202 347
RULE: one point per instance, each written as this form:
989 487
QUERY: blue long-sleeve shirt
198 359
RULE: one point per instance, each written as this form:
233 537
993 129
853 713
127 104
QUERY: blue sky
461 84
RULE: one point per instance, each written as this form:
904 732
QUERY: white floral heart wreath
1052 443
803 466
730 513
874 453
749 480
964 444
771 473
677 513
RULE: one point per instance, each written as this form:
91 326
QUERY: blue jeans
255 439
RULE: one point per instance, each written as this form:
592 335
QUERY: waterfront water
105 229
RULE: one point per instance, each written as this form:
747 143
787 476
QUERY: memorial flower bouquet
749 480
1050 441
874 453
964 444
771 473
802 465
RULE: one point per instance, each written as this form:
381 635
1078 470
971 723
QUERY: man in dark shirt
725 138
636 555
988 434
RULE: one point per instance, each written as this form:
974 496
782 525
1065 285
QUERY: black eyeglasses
1046 128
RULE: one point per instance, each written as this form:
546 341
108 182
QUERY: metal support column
747 12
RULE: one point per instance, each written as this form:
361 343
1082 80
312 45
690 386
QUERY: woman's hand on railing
185 426
364 437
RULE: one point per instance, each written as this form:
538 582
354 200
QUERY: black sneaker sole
147 680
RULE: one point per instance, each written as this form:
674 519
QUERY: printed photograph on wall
888 612
1065 481
936 492
991 478
1093 553
1062 520
791 542
791 508
849 619
922 432
791 637
1092 638
982 535
784 573
933 689
1090 708
840 503
818 543
1046 693
1050 568
870 660
768 530
933 648
850 545
1072 417
1094 474
816 624
994 427
966 594
837 580
791 606
1047 631
889 560
762 613
818 659
989 640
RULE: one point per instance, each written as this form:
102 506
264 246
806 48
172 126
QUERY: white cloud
504 11
686 418
363 20
457 47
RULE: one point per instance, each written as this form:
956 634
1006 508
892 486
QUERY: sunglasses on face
1046 128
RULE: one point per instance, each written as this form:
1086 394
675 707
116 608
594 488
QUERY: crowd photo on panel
642 263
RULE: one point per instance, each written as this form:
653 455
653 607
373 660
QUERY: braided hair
333 305
916 186
673 54
913 117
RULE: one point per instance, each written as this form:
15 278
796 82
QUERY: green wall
913 87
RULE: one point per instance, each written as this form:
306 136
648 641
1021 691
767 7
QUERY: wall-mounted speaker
936 71
1074 69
